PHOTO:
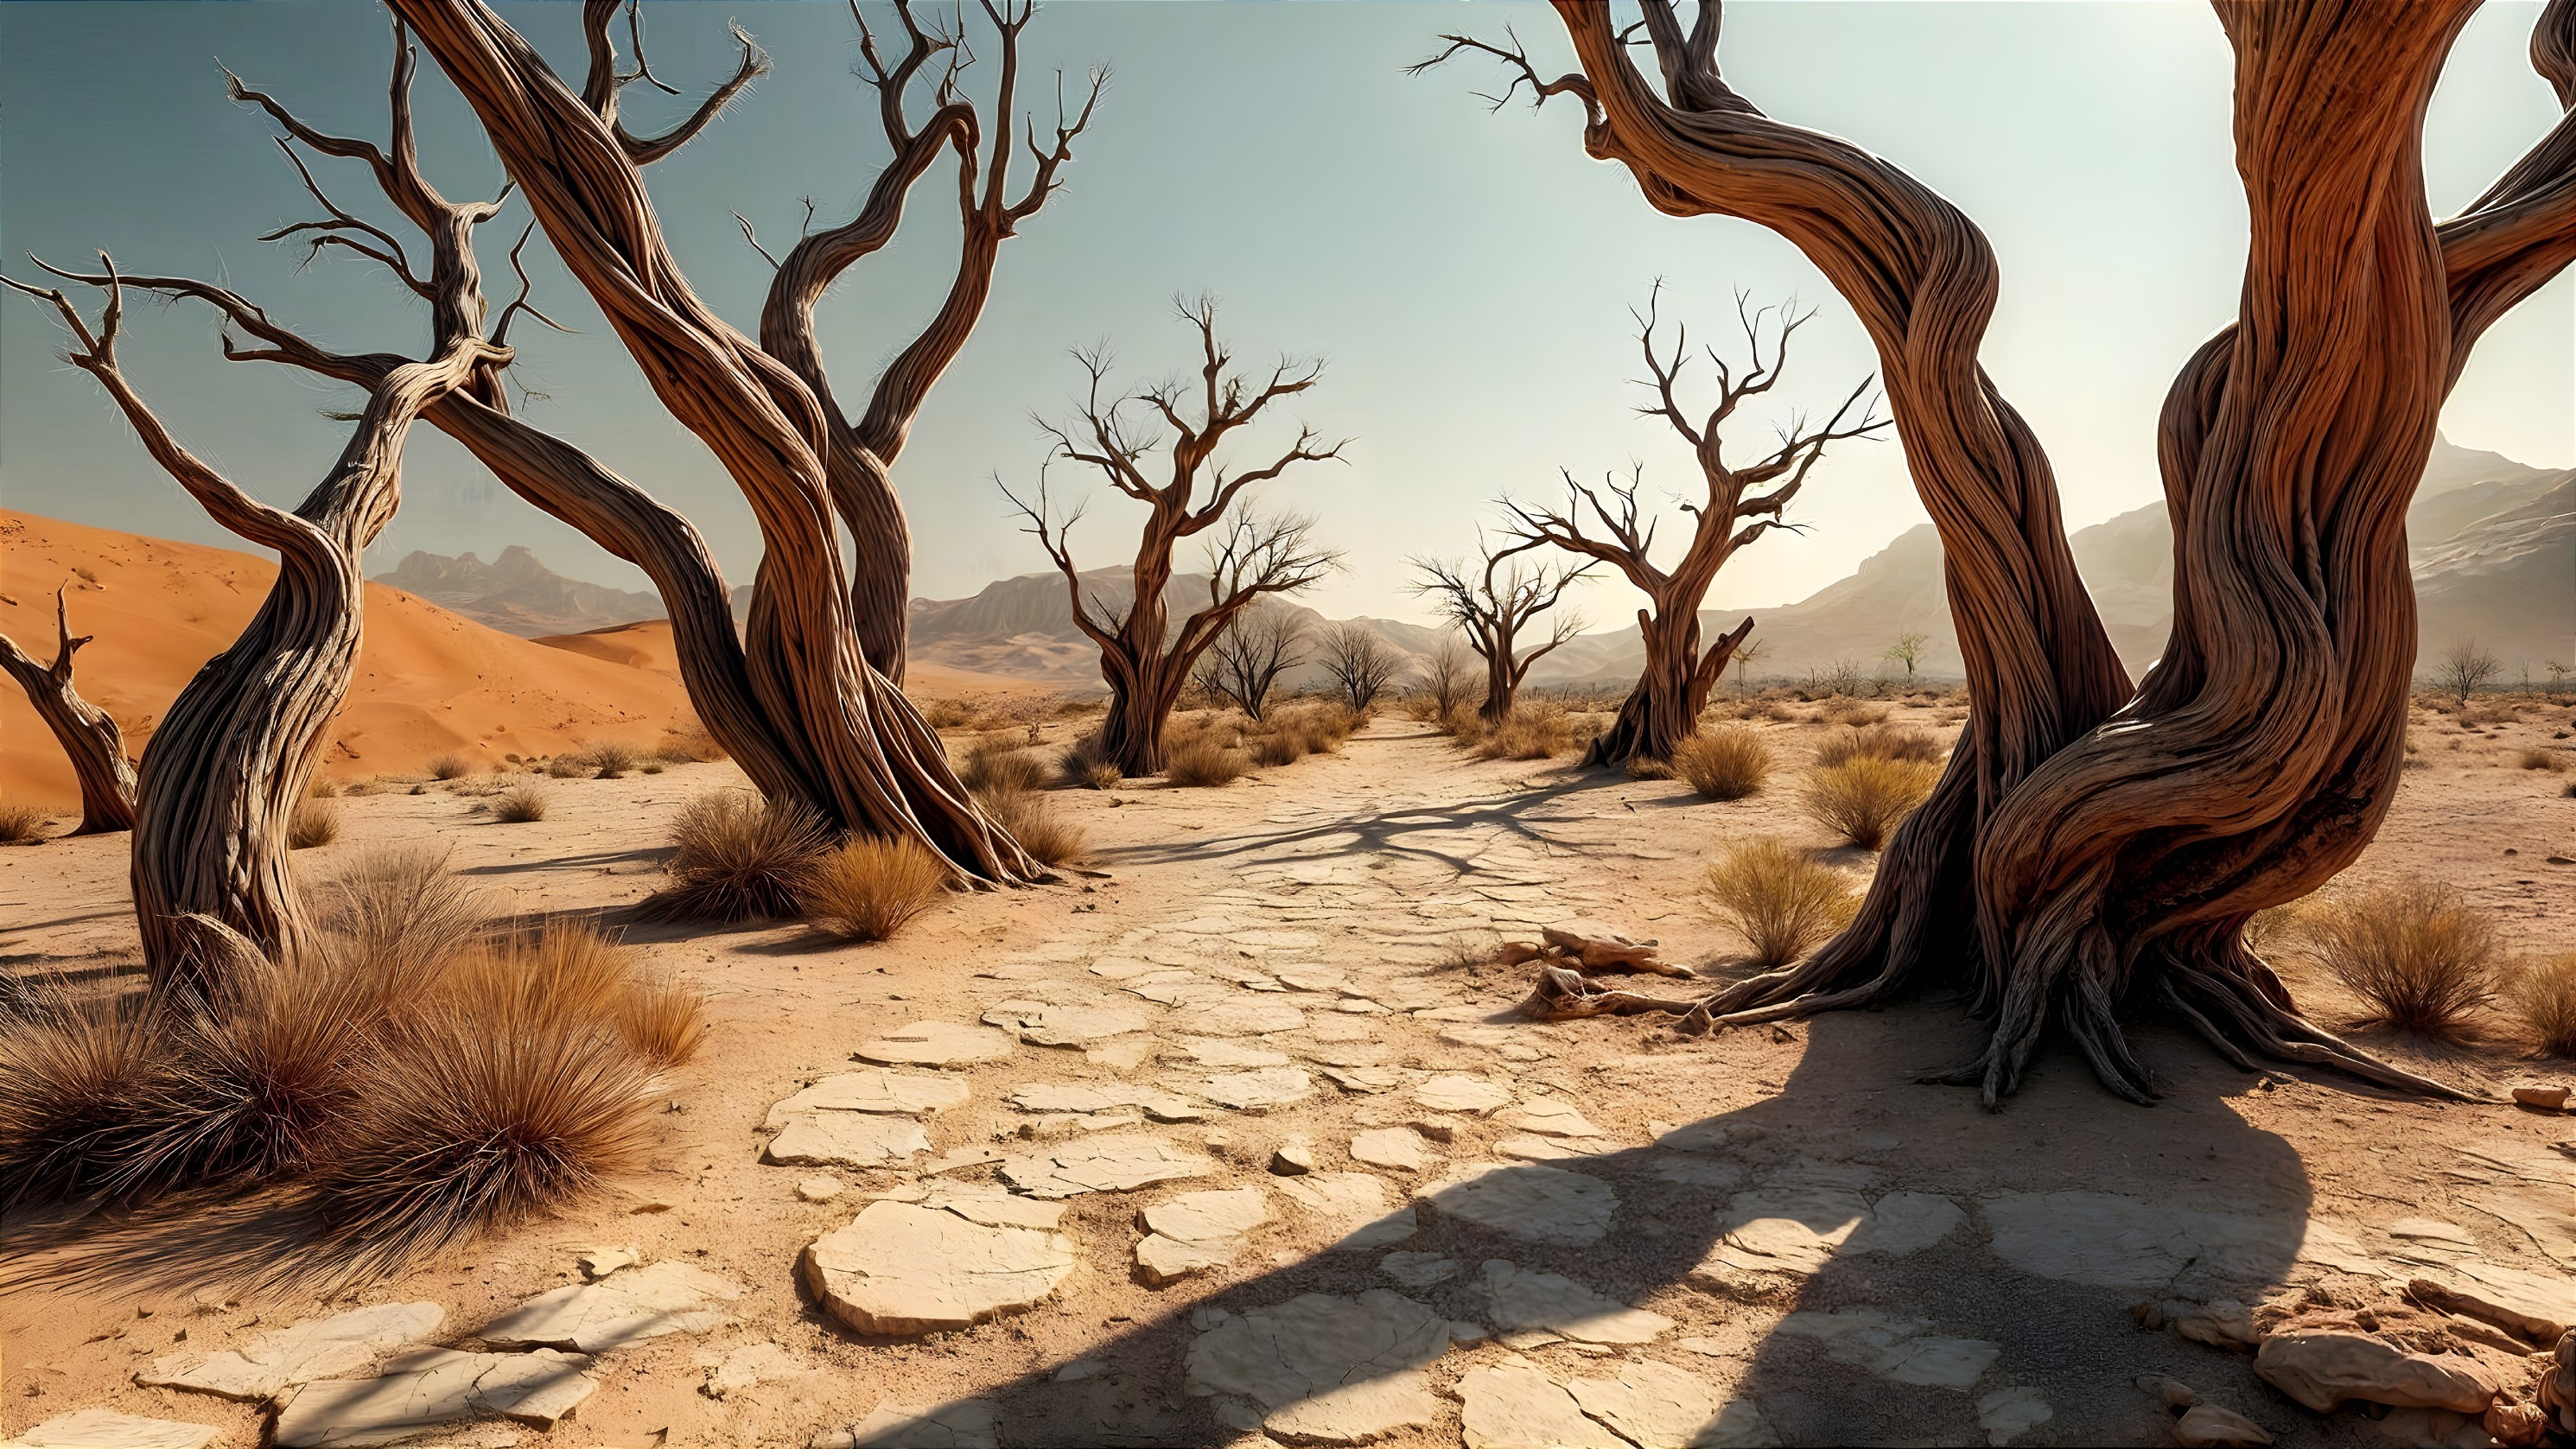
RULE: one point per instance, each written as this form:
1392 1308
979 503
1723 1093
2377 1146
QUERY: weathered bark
1491 611
89 735
2086 850
1672 688
1145 657
860 754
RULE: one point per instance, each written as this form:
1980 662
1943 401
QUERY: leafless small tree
1145 657
1447 676
1492 602
1254 649
88 734
2464 669
1363 665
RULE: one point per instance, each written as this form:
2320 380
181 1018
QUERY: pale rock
819 1189
1657 1406
1900 1350
937 1044
1552 1149
2207 1426
846 1139
1521 1298
1438 1129
2325 1368
618 1312
1078 1370
1461 1331
1542 1204
1325 1368
1522 1340
1246 1018
2435 1429
1451 1092
2551 1099
598 1263
898 1094
1293 1159
1418 1270
2528 1305
1709 1172
1513 1405
2220 1322
1366 1081
961 1424
2172 1393
1040 1024
1352 1204
1342 1029
1218 1052
959 1157
905 1271
1548 1117
2112 1241
1120 1053
318 1348
1389 1147
1712 1135
982 1203
106 1429
1105 1097
2007 1414
1117 1162
1799 1229
1196 1231
748 1367
430 1388
1260 1089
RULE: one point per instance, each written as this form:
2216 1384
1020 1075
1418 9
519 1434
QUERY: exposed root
1563 994
1589 953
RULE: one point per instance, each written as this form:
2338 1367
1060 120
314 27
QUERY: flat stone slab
1657 1406
1514 1405
1391 1147
1197 1231
1259 1089
1353 1204
1548 1117
937 1044
750 1366
1090 1098
1208 1051
1246 1018
1521 1298
106 1429
2113 1241
900 1094
1452 1092
846 1139
1112 1162
618 1311
1892 1347
962 1424
1366 1081
1801 1229
1041 1024
906 1270
1418 1270
1325 1368
318 1348
1541 1204
430 1388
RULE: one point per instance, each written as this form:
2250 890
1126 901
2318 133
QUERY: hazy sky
1466 275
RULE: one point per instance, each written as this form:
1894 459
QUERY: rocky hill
517 594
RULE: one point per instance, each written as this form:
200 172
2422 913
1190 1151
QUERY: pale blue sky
1466 275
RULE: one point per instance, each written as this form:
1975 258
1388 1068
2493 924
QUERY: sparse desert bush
1278 747
737 857
315 822
450 767
1781 900
867 889
1843 709
1084 764
566 767
22 824
1031 818
945 714
693 745
2413 949
1001 762
612 758
393 907
1861 799
520 805
321 787
2271 929
2542 992
1724 764
1644 767
1202 761
1883 741
1534 732
75 1071
2550 760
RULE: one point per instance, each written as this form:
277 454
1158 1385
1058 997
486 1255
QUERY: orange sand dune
647 645
429 683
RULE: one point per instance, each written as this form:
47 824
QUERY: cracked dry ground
1035 1144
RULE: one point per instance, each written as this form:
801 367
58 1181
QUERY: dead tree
88 734
1446 677
1363 665
231 759
1254 649
2464 669
1145 657
795 698
2071 864
1737 506
1492 605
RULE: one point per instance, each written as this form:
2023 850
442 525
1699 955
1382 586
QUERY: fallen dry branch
1563 949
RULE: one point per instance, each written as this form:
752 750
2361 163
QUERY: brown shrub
22 824
692 745
1646 767
2542 991
1002 763
738 858
1201 761
2550 760
566 767
321 787
1724 764
519 805
1279 747
1881 741
1534 732
1032 820
449 767
1782 901
612 758
1084 764
76 1072
867 889
2413 949
315 822
1843 709
1862 799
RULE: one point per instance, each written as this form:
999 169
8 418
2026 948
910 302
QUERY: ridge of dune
646 644
429 682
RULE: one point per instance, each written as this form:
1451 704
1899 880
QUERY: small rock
1389 1147
1418 1270
2172 1393
1352 1204
1438 1129
906 1271
1513 1405
2207 1426
319 1348
428 1388
1078 1370
750 1366
1196 1231
2548 1099
1461 1331
1293 1159
1040 1024
937 1044
598 1263
1451 1092
1548 1117
2324 1367
846 1139
2220 1322
1524 1299
1259 1090
1325 1368
902 1094
819 1189
620 1312
1542 1204
106 1429
1114 1162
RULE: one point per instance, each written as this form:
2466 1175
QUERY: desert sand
647 645
428 684
1829 1252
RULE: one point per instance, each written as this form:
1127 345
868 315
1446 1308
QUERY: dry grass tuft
2542 991
1863 798
1084 764
1202 760
22 824
1534 732
1724 764
1878 741
612 758
450 767
738 858
321 788
393 908
2550 760
1001 763
867 889
1031 818
2413 949
1646 767
75 1073
315 822
1279 747
1782 901
566 767
1845 710
694 745
520 805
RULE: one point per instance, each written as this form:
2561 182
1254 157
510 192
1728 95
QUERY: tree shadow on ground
2045 1223
1516 814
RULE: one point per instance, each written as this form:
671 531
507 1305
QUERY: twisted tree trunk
88 735
1663 710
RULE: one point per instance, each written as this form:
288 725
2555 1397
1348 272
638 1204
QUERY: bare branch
1523 73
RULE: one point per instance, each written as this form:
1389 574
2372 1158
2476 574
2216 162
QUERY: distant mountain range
2494 552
